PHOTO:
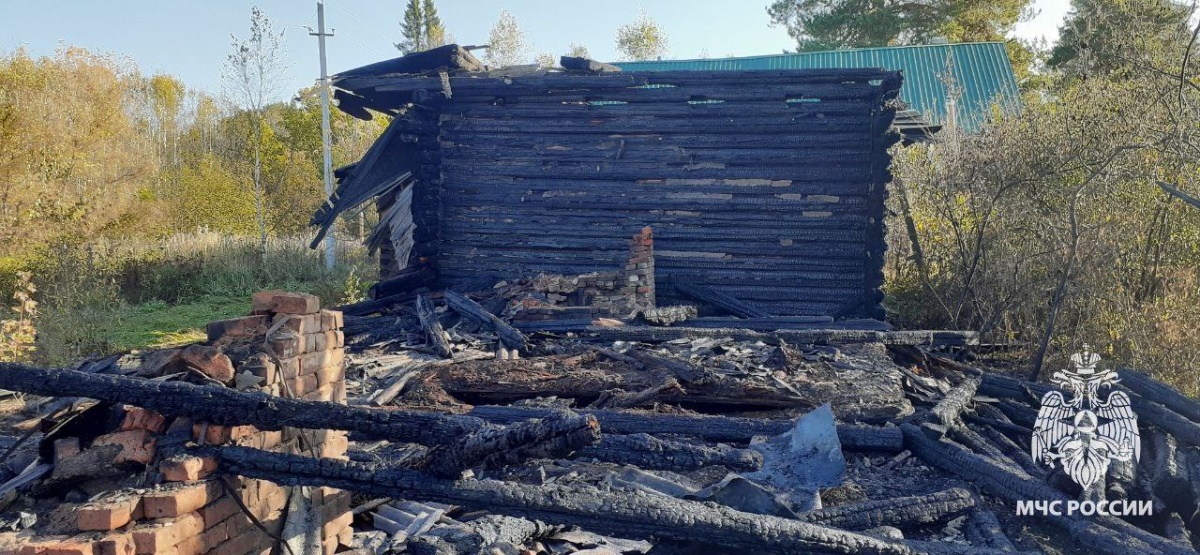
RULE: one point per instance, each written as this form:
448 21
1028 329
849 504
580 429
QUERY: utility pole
325 136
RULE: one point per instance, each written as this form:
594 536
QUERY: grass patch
158 324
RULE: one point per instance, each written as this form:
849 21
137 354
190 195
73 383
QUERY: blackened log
584 64
478 536
720 300
975 442
901 512
376 306
558 434
651 453
789 323
1168 396
432 327
450 56
1012 450
946 548
228 407
511 338
984 529
652 334
406 281
947 412
710 428
1103 534
617 513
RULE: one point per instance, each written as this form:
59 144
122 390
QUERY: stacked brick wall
621 293
295 350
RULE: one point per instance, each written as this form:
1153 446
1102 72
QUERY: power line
325 135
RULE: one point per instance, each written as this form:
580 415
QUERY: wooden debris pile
468 435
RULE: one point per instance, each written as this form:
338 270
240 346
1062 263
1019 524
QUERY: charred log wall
764 185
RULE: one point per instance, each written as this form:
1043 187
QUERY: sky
190 38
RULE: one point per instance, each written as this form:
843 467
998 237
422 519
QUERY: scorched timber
619 513
709 428
224 406
901 512
651 453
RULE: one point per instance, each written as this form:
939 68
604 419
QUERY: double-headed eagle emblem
1085 433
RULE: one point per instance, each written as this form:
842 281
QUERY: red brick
208 361
138 418
286 344
179 498
303 385
346 536
108 514
262 366
217 511
246 542
285 303
115 544
300 324
136 445
58 545
330 375
311 363
335 526
248 326
185 468
331 320
336 444
65 448
159 536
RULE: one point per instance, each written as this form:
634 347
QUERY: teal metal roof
980 71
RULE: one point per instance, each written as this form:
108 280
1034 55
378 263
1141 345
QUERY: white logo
1085 433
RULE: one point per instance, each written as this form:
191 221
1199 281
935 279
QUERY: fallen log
478 536
556 435
948 411
511 338
432 327
984 529
901 512
584 64
619 513
1166 395
653 334
1103 534
651 453
720 300
406 281
709 428
375 306
229 407
943 548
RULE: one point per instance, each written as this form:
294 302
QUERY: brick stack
191 512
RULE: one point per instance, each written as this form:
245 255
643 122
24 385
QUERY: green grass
158 324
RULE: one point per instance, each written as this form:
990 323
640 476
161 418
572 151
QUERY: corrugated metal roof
981 71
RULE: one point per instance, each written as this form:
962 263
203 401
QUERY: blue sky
190 38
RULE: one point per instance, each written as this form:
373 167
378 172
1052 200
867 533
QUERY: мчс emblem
1085 433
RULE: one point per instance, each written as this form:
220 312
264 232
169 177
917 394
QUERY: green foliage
642 39
834 24
421 28
1101 37
507 44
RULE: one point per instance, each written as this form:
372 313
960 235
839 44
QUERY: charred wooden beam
229 407
710 428
616 513
650 334
984 529
720 300
1168 396
584 64
376 306
1103 534
511 338
432 327
651 453
901 512
406 281
948 411
556 435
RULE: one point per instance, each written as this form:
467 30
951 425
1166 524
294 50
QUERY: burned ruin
619 313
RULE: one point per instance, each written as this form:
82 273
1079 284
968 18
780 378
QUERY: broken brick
208 361
108 514
57 545
331 320
160 536
284 303
136 445
177 499
115 544
186 468
138 418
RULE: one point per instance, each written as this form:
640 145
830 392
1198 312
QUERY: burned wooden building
767 186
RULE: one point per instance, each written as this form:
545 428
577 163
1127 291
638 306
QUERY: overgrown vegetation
1048 229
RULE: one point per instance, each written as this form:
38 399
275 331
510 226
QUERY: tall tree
435 33
578 51
642 39
421 28
1100 36
507 45
252 75
833 24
